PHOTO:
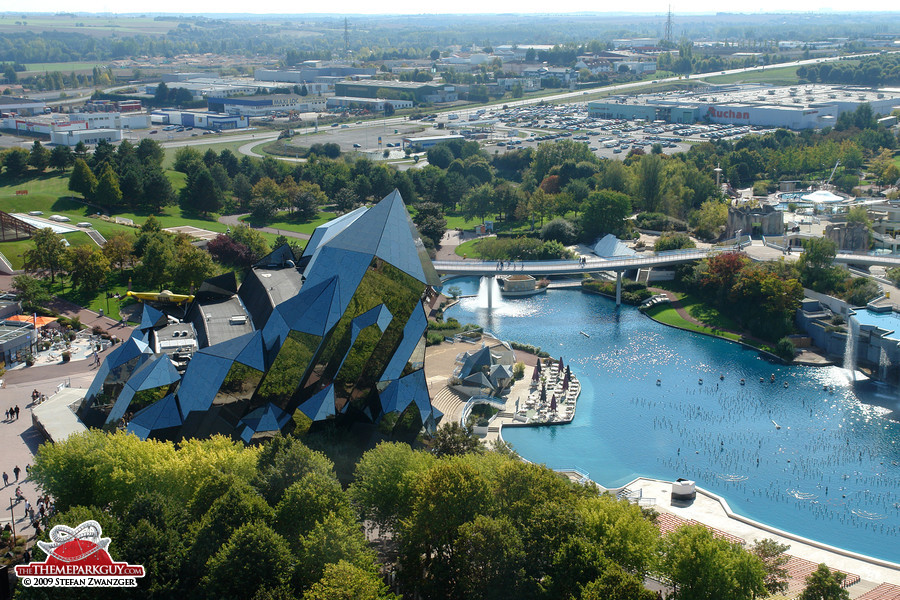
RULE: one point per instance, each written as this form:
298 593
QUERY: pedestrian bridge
482 268
570 267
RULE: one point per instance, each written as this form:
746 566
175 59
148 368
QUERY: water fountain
884 363
489 293
850 348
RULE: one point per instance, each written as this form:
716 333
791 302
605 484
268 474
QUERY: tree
331 540
108 192
621 530
192 266
616 584
283 462
253 557
48 253
344 581
157 258
559 229
61 157
710 218
604 212
149 152
88 268
440 156
649 182
704 567
119 250
187 160
816 265
308 501
161 95
16 162
31 291
266 197
82 179
454 440
825 584
773 557
673 241
158 192
307 201
242 190
200 193
478 202
384 482
488 559
39 157
254 241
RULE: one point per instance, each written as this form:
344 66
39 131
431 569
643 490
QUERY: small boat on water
587 335
777 426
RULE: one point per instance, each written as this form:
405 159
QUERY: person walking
7 414
16 471
16 409
5 479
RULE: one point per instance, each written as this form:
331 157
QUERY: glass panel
382 284
145 398
239 384
286 372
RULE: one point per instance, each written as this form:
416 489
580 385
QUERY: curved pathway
235 220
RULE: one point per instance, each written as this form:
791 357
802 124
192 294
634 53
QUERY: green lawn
117 283
664 313
282 221
63 67
776 76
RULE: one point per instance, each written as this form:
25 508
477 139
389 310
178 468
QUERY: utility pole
668 35
346 38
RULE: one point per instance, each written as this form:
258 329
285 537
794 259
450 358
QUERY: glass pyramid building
339 334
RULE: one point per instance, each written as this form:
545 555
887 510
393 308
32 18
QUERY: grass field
283 222
62 67
776 76
84 24
666 314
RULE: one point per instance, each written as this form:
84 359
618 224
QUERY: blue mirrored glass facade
338 335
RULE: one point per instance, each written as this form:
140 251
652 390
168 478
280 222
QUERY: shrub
633 293
29 360
673 241
66 356
433 338
519 370
559 230
659 222
784 349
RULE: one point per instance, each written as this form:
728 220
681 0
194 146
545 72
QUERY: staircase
96 236
449 402
643 276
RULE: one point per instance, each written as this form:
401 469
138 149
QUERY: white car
36 213
60 218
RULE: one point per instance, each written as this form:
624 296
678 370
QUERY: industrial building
409 90
262 105
21 106
71 137
796 107
372 104
426 142
203 120
337 334
312 70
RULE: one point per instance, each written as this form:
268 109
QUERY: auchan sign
727 113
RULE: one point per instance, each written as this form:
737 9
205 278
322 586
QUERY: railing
471 402
5 266
571 266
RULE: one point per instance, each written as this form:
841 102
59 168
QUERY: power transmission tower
668 36
346 37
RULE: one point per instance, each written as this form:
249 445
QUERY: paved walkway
234 221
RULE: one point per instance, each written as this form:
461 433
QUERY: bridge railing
571 266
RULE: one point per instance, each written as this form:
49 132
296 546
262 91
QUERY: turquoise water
830 473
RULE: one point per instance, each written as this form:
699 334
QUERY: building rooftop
223 320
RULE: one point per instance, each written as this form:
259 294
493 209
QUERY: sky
471 6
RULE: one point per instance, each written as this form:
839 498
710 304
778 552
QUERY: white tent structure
822 197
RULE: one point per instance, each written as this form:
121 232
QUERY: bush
66 356
633 293
519 370
784 349
673 241
433 338
659 222
560 230
536 350
29 360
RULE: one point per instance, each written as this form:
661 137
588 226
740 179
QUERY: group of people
38 514
37 397
12 414
16 471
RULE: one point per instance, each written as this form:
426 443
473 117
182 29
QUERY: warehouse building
22 106
372 104
71 137
311 70
203 120
426 142
406 90
262 105
796 107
